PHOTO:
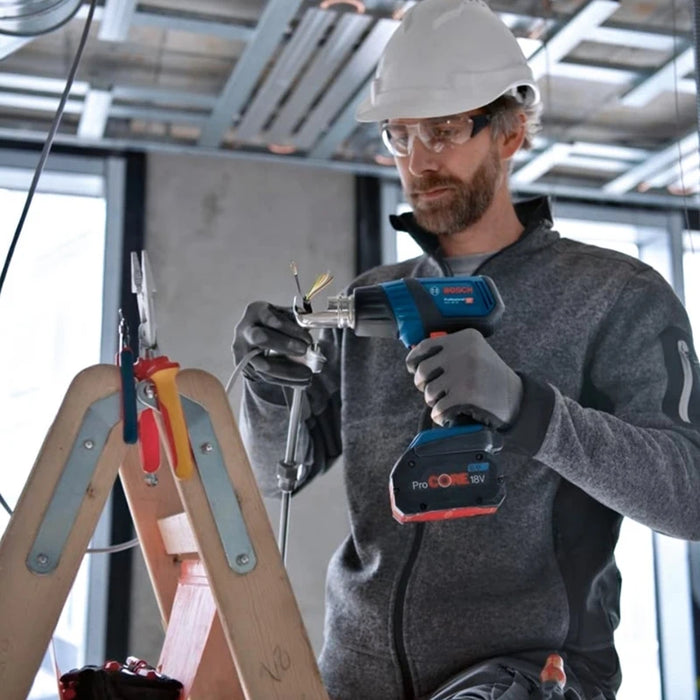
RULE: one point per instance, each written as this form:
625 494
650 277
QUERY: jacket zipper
406 678
684 401
398 613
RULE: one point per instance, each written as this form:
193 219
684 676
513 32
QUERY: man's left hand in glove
461 375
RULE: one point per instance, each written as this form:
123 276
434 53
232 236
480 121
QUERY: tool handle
460 420
174 419
149 441
128 408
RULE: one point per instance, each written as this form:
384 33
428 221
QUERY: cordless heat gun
448 472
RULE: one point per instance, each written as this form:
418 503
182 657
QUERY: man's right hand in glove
273 332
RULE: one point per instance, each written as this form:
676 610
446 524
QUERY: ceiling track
296 75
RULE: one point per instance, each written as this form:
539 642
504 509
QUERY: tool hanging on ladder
154 375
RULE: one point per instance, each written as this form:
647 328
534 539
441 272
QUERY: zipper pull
687 388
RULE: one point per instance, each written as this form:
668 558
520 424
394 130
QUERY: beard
463 206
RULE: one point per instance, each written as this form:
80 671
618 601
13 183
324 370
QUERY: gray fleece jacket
609 427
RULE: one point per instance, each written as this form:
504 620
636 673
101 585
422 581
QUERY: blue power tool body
447 472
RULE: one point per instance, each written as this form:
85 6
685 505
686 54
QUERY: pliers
155 376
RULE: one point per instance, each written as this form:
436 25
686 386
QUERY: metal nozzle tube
293 427
283 533
289 465
340 314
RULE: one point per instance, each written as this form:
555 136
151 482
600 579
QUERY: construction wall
221 233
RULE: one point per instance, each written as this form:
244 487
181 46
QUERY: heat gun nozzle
340 314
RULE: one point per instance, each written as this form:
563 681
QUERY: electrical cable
683 191
3 503
548 15
129 544
122 546
32 189
676 80
239 368
48 143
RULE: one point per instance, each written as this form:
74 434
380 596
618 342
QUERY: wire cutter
156 376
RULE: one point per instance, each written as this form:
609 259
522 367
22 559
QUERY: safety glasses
435 134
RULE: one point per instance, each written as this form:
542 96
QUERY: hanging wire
130 544
676 80
48 143
239 368
542 32
677 125
3 503
35 181
548 15
90 550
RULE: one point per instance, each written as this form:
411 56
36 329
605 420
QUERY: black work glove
273 331
461 375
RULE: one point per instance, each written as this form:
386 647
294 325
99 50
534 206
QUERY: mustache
432 182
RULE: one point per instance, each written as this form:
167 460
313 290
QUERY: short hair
504 112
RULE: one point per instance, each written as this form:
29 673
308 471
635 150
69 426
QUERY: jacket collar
535 215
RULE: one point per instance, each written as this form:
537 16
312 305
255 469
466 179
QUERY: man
590 379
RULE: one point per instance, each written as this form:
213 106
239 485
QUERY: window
52 310
637 636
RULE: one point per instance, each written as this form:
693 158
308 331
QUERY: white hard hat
447 57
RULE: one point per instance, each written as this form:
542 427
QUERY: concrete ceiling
280 79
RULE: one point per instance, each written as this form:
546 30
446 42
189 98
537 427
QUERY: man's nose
420 158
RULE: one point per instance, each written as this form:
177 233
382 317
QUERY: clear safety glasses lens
435 134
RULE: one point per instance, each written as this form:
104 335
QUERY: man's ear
512 141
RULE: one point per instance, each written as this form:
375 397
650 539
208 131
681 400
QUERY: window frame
98 176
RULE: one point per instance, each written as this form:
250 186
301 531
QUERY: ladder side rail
31 602
258 610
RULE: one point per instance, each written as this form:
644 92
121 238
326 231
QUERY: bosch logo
435 291
458 290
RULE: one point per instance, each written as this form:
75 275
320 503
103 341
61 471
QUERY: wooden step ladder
233 627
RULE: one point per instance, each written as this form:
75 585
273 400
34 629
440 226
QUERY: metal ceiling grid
348 83
281 79
244 11
345 35
291 61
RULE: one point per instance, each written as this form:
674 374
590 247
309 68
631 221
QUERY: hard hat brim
422 104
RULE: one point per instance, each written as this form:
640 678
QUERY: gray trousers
505 679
